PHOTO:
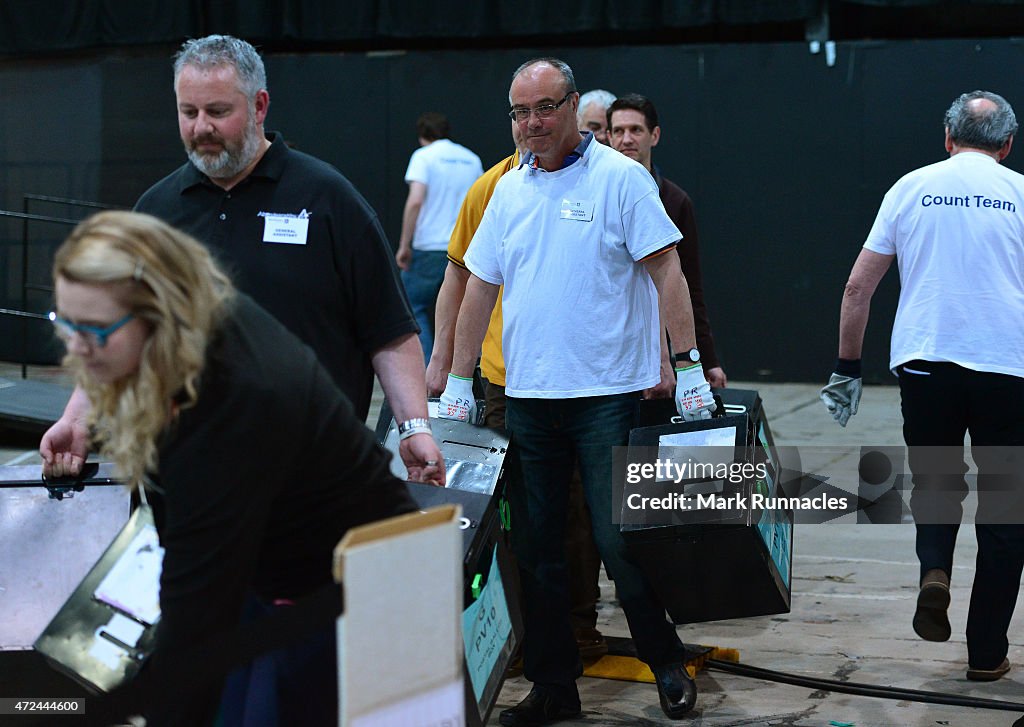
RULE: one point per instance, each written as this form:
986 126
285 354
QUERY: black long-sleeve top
260 479
680 208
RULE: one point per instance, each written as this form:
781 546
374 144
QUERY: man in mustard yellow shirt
453 289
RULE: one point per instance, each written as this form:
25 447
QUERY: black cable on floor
863 690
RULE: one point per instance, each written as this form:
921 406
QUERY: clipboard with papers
107 628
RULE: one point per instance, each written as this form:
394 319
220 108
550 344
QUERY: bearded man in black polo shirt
295 235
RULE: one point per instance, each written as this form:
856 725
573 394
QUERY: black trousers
941 402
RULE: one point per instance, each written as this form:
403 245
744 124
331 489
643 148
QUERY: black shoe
676 690
931 622
591 643
539 708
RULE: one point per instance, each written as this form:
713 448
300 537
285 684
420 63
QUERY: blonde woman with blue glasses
251 457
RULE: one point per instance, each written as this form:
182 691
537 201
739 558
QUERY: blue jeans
422 281
549 436
297 685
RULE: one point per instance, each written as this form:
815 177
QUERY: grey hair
602 98
559 65
224 50
981 128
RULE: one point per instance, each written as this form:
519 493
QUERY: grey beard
227 164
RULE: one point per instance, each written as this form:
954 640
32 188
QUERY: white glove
693 394
841 397
457 400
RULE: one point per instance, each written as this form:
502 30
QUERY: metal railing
27 287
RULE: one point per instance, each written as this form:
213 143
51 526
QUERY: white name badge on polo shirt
286 229
581 211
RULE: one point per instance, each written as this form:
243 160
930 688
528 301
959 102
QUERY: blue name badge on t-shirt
581 211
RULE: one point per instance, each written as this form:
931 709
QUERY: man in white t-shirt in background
580 241
439 174
957 229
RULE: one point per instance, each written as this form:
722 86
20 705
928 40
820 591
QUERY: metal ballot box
51 535
492 618
717 545
474 455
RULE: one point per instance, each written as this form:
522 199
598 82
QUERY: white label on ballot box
718 437
708 446
133 584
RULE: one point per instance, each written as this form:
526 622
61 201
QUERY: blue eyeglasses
93 335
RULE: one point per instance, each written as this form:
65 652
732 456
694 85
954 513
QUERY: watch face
694 355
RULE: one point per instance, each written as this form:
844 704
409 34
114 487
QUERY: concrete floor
854 588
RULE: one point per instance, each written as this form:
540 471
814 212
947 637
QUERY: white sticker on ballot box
285 229
581 211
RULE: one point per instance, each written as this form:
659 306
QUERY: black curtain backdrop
46 27
786 157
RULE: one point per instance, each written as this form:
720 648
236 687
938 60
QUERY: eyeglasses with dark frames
93 335
522 113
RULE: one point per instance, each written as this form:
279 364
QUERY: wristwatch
693 355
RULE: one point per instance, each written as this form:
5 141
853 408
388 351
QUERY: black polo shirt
336 286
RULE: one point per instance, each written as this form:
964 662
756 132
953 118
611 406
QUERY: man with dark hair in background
957 229
439 174
633 130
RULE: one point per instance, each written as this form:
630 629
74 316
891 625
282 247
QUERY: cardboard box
400 653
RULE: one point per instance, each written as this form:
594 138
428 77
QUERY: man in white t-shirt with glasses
579 239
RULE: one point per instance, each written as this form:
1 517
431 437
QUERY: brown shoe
989 675
591 643
930 620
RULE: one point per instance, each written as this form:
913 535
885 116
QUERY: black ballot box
703 512
492 623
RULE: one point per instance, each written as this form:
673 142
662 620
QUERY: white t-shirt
957 230
448 169
580 313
